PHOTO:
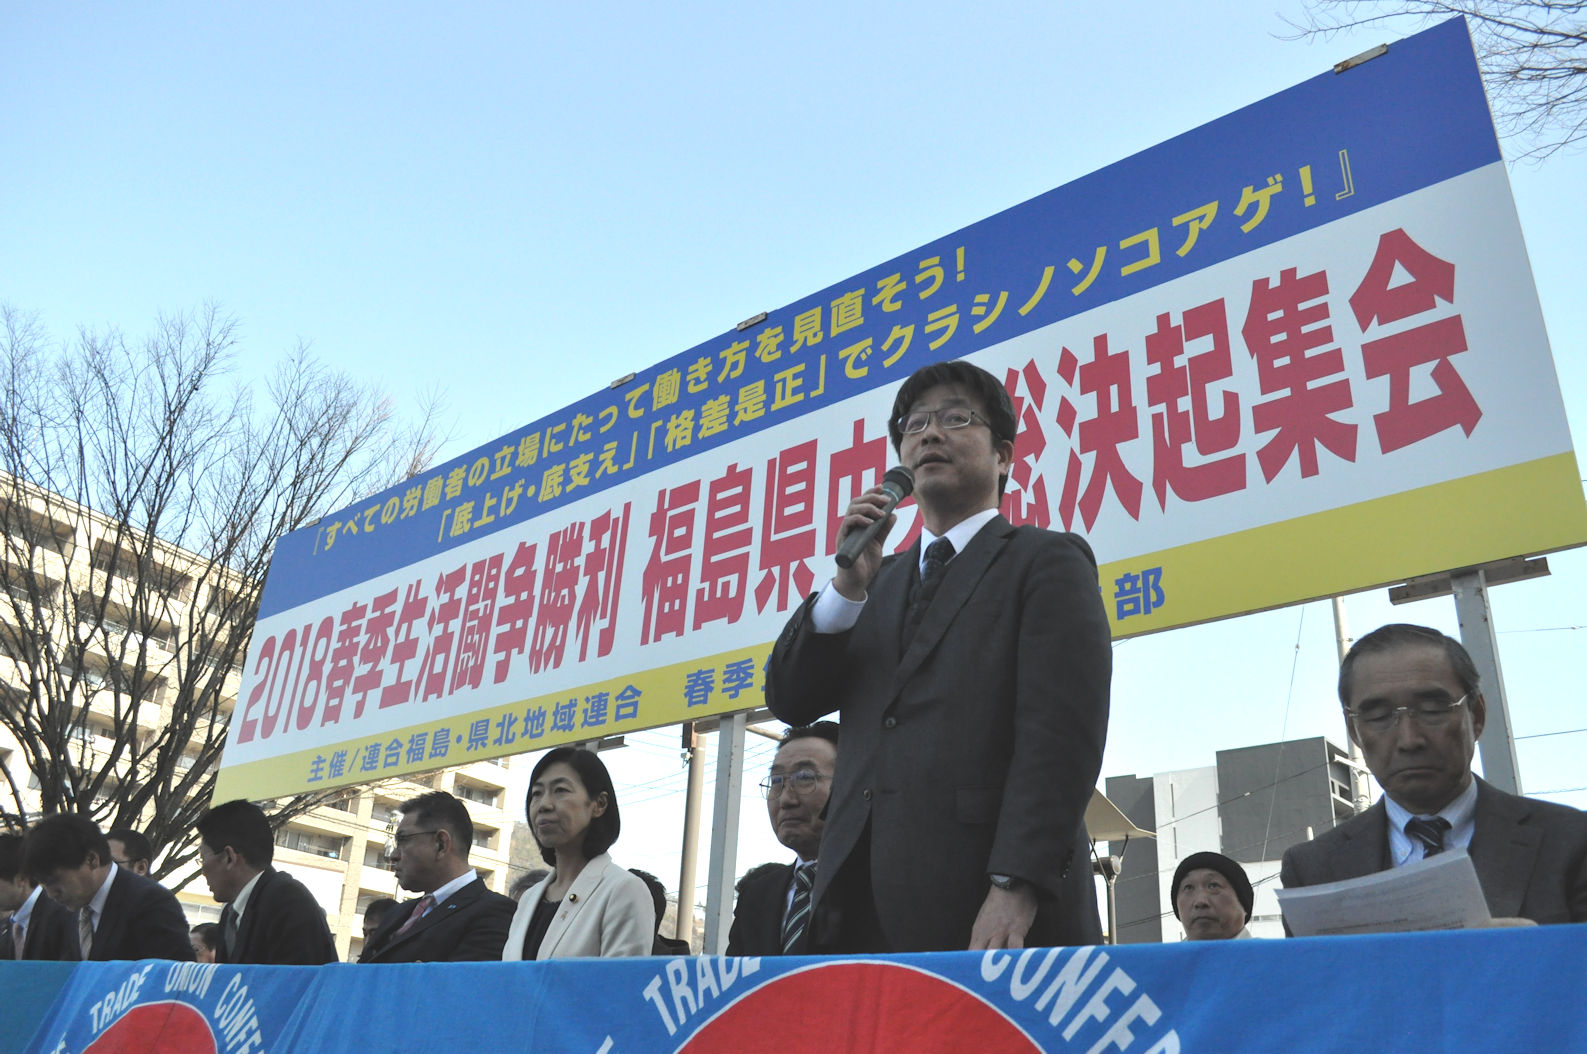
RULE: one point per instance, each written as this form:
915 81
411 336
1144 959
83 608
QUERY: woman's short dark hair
603 829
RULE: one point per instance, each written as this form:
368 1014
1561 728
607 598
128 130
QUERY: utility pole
684 931
1361 794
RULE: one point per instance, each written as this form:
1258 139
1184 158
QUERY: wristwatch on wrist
1007 883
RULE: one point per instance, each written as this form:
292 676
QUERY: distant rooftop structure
1251 805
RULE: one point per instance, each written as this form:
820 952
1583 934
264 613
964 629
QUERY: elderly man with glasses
1412 701
773 905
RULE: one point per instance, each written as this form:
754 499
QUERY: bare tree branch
141 496
1533 55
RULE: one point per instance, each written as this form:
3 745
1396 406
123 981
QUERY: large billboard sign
1292 353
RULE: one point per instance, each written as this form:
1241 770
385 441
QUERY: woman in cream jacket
588 906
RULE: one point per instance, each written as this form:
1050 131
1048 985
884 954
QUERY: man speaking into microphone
971 673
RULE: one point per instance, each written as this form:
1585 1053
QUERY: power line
1562 732
1247 793
1283 726
1543 629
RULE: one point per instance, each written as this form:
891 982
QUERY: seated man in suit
120 915
130 849
773 908
658 897
457 918
375 914
40 928
1413 702
1212 897
270 917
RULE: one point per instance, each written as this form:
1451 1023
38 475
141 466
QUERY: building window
325 845
483 795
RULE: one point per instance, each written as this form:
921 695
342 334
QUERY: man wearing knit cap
1212 897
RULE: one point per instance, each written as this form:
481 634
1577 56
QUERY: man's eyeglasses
802 781
1380 717
398 839
948 417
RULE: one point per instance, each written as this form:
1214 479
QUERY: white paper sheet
1438 893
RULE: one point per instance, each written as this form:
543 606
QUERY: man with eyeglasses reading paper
773 908
1413 702
971 671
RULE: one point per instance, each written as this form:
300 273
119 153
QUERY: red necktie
424 904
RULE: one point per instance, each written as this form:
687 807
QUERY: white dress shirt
835 613
1461 814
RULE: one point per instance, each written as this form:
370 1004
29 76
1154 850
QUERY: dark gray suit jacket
51 933
1530 856
141 920
758 912
283 926
975 751
470 925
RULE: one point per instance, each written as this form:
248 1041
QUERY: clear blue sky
514 204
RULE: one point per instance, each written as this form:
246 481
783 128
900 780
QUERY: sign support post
684 931
1497 744
724 833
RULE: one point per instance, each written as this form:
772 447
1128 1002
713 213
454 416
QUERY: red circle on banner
861 1007
156 1028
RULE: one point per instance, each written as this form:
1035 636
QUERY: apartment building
120 627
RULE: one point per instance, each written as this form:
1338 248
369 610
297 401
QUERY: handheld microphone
897 485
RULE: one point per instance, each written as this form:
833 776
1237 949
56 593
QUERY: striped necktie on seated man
793 926
1430 833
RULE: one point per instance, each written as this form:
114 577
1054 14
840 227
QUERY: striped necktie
85 932
938 553
793 925
1430 833
228 931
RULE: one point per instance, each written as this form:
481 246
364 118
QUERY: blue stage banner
1478 990
27 991
163 1007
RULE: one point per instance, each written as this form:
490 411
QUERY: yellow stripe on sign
1534 507
663 700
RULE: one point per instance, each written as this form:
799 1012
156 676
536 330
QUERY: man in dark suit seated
457 918
658 898
375 914
39 927
773 907
270 917
1413 702
120 915
971 672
